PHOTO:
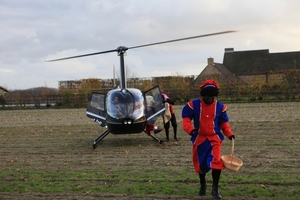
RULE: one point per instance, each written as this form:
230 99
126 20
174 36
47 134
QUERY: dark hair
209 91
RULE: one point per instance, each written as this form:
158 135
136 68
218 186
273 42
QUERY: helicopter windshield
125 103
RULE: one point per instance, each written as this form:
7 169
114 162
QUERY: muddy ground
50 141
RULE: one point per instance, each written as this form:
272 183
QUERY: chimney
210 62
229 50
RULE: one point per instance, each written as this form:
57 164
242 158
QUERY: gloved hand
193 133
231 137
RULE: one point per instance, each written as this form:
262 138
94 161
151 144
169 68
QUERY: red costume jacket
205 131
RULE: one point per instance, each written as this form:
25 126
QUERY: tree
2 101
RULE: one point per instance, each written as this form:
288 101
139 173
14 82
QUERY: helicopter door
96 108
154 104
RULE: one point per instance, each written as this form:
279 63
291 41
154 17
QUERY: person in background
152 127
209 118
117 108
169 116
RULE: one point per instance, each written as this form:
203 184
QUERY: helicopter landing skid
155 138
103 135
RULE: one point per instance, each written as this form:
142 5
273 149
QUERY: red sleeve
226 129
171 109
187 125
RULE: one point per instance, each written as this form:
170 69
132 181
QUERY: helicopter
125 110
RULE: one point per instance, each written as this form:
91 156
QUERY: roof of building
5 90
224 71
260 61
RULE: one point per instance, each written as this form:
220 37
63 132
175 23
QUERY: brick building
256 66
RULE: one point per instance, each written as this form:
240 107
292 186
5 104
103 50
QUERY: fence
179 88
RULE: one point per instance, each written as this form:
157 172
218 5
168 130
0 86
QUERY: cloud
5 71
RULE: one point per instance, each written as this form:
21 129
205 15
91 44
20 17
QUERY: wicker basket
230 162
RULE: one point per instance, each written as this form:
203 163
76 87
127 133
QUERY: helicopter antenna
122 49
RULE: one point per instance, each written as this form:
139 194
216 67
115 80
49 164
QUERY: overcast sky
33 31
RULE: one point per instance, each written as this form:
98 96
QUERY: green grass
162 183
53 158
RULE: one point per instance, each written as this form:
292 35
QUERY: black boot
175 133
214 192
167 135
216 173
202 190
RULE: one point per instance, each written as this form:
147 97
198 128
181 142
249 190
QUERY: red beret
209 83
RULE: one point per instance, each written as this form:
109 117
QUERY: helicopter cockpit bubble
125 103
139 108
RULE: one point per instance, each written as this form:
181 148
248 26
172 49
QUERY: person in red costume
210 124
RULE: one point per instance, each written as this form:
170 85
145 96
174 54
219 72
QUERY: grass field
48 154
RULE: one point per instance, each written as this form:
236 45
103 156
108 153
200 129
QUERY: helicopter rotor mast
123 79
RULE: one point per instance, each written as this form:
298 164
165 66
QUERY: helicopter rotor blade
176 40
84 55
123 49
